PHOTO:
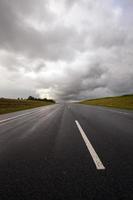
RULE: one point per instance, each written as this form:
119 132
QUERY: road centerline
95 157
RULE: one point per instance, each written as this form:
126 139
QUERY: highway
66 151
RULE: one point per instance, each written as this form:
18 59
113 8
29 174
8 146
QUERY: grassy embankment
12 105
123 102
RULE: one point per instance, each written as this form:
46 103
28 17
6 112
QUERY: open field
12 105
124 102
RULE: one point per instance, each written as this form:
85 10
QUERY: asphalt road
66 152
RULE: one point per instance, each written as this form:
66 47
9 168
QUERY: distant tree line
39 99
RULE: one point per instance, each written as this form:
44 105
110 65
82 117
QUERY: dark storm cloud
65 49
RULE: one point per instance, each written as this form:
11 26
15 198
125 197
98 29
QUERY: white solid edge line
10 118
115 111
95 157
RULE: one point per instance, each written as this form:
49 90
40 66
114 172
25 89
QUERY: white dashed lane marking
95 157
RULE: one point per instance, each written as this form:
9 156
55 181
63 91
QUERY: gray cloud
22 38
67 50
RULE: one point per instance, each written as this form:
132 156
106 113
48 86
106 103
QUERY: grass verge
123 102
12 105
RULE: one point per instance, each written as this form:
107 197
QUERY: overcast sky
66 49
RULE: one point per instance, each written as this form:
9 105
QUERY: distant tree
31 98
51 100
39 99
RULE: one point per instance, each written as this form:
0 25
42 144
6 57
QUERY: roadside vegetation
123 102
12 105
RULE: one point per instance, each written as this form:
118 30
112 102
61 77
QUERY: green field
12 105
124 102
